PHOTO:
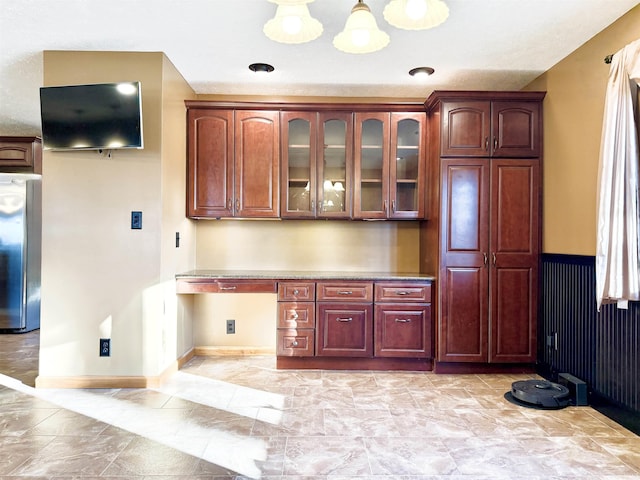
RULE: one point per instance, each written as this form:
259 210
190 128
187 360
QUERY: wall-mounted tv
101 116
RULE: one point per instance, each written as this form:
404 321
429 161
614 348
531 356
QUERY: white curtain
618 224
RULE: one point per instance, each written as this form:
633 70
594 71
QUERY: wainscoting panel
601 348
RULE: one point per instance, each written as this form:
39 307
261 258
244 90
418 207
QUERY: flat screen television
101 116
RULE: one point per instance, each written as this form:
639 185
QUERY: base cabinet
403 330
343 321
296 319
345 330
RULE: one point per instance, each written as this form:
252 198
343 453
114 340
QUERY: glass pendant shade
292 23
416 14
361 33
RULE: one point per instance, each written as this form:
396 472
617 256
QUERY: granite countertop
300 275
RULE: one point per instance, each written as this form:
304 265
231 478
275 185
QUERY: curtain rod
608 58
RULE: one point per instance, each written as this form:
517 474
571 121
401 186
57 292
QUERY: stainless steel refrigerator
20 252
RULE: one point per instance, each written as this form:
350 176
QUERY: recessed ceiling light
261 67
421 71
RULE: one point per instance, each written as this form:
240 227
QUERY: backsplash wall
320 245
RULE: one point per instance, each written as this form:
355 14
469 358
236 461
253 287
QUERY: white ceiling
485 44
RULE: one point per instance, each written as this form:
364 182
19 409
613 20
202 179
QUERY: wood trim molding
233 351
110 381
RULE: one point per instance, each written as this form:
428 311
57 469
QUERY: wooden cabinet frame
224 138
484 237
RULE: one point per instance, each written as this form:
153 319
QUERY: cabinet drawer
300 291
296 315
293 342
345 291
213 285
403 292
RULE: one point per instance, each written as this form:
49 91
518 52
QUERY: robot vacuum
540 394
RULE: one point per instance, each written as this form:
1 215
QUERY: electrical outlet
136 220
231 326
105 347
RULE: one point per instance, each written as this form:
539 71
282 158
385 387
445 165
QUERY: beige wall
99 277
309 245
573 110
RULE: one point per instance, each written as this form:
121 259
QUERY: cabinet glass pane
334 169
406 165
371 165
299 163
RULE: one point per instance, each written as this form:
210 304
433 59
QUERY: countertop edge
298 275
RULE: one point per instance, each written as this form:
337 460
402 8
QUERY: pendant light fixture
292 23
361 33
416 14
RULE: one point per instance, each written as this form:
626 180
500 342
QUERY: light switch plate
136 220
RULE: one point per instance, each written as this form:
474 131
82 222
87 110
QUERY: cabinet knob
294 316
294 343
296 291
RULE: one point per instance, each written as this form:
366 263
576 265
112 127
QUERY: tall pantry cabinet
482 236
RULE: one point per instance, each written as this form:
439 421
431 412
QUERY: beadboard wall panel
601 348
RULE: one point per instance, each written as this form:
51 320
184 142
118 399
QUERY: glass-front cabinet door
371 162
299 134
335 131
406 184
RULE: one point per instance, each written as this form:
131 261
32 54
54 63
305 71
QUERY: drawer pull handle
403 292
403 320
228 288
296 291
345 292
344 319
294 316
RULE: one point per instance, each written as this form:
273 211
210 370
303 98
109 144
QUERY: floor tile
235 418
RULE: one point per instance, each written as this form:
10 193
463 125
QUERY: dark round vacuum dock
540 394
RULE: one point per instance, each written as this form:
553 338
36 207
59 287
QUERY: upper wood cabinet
317 164
233 163
388 165
21 154
299 167
257 164
210 163
488 128
340 161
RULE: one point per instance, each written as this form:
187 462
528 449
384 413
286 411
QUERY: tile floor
236 418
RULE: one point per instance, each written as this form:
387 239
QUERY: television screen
101 116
